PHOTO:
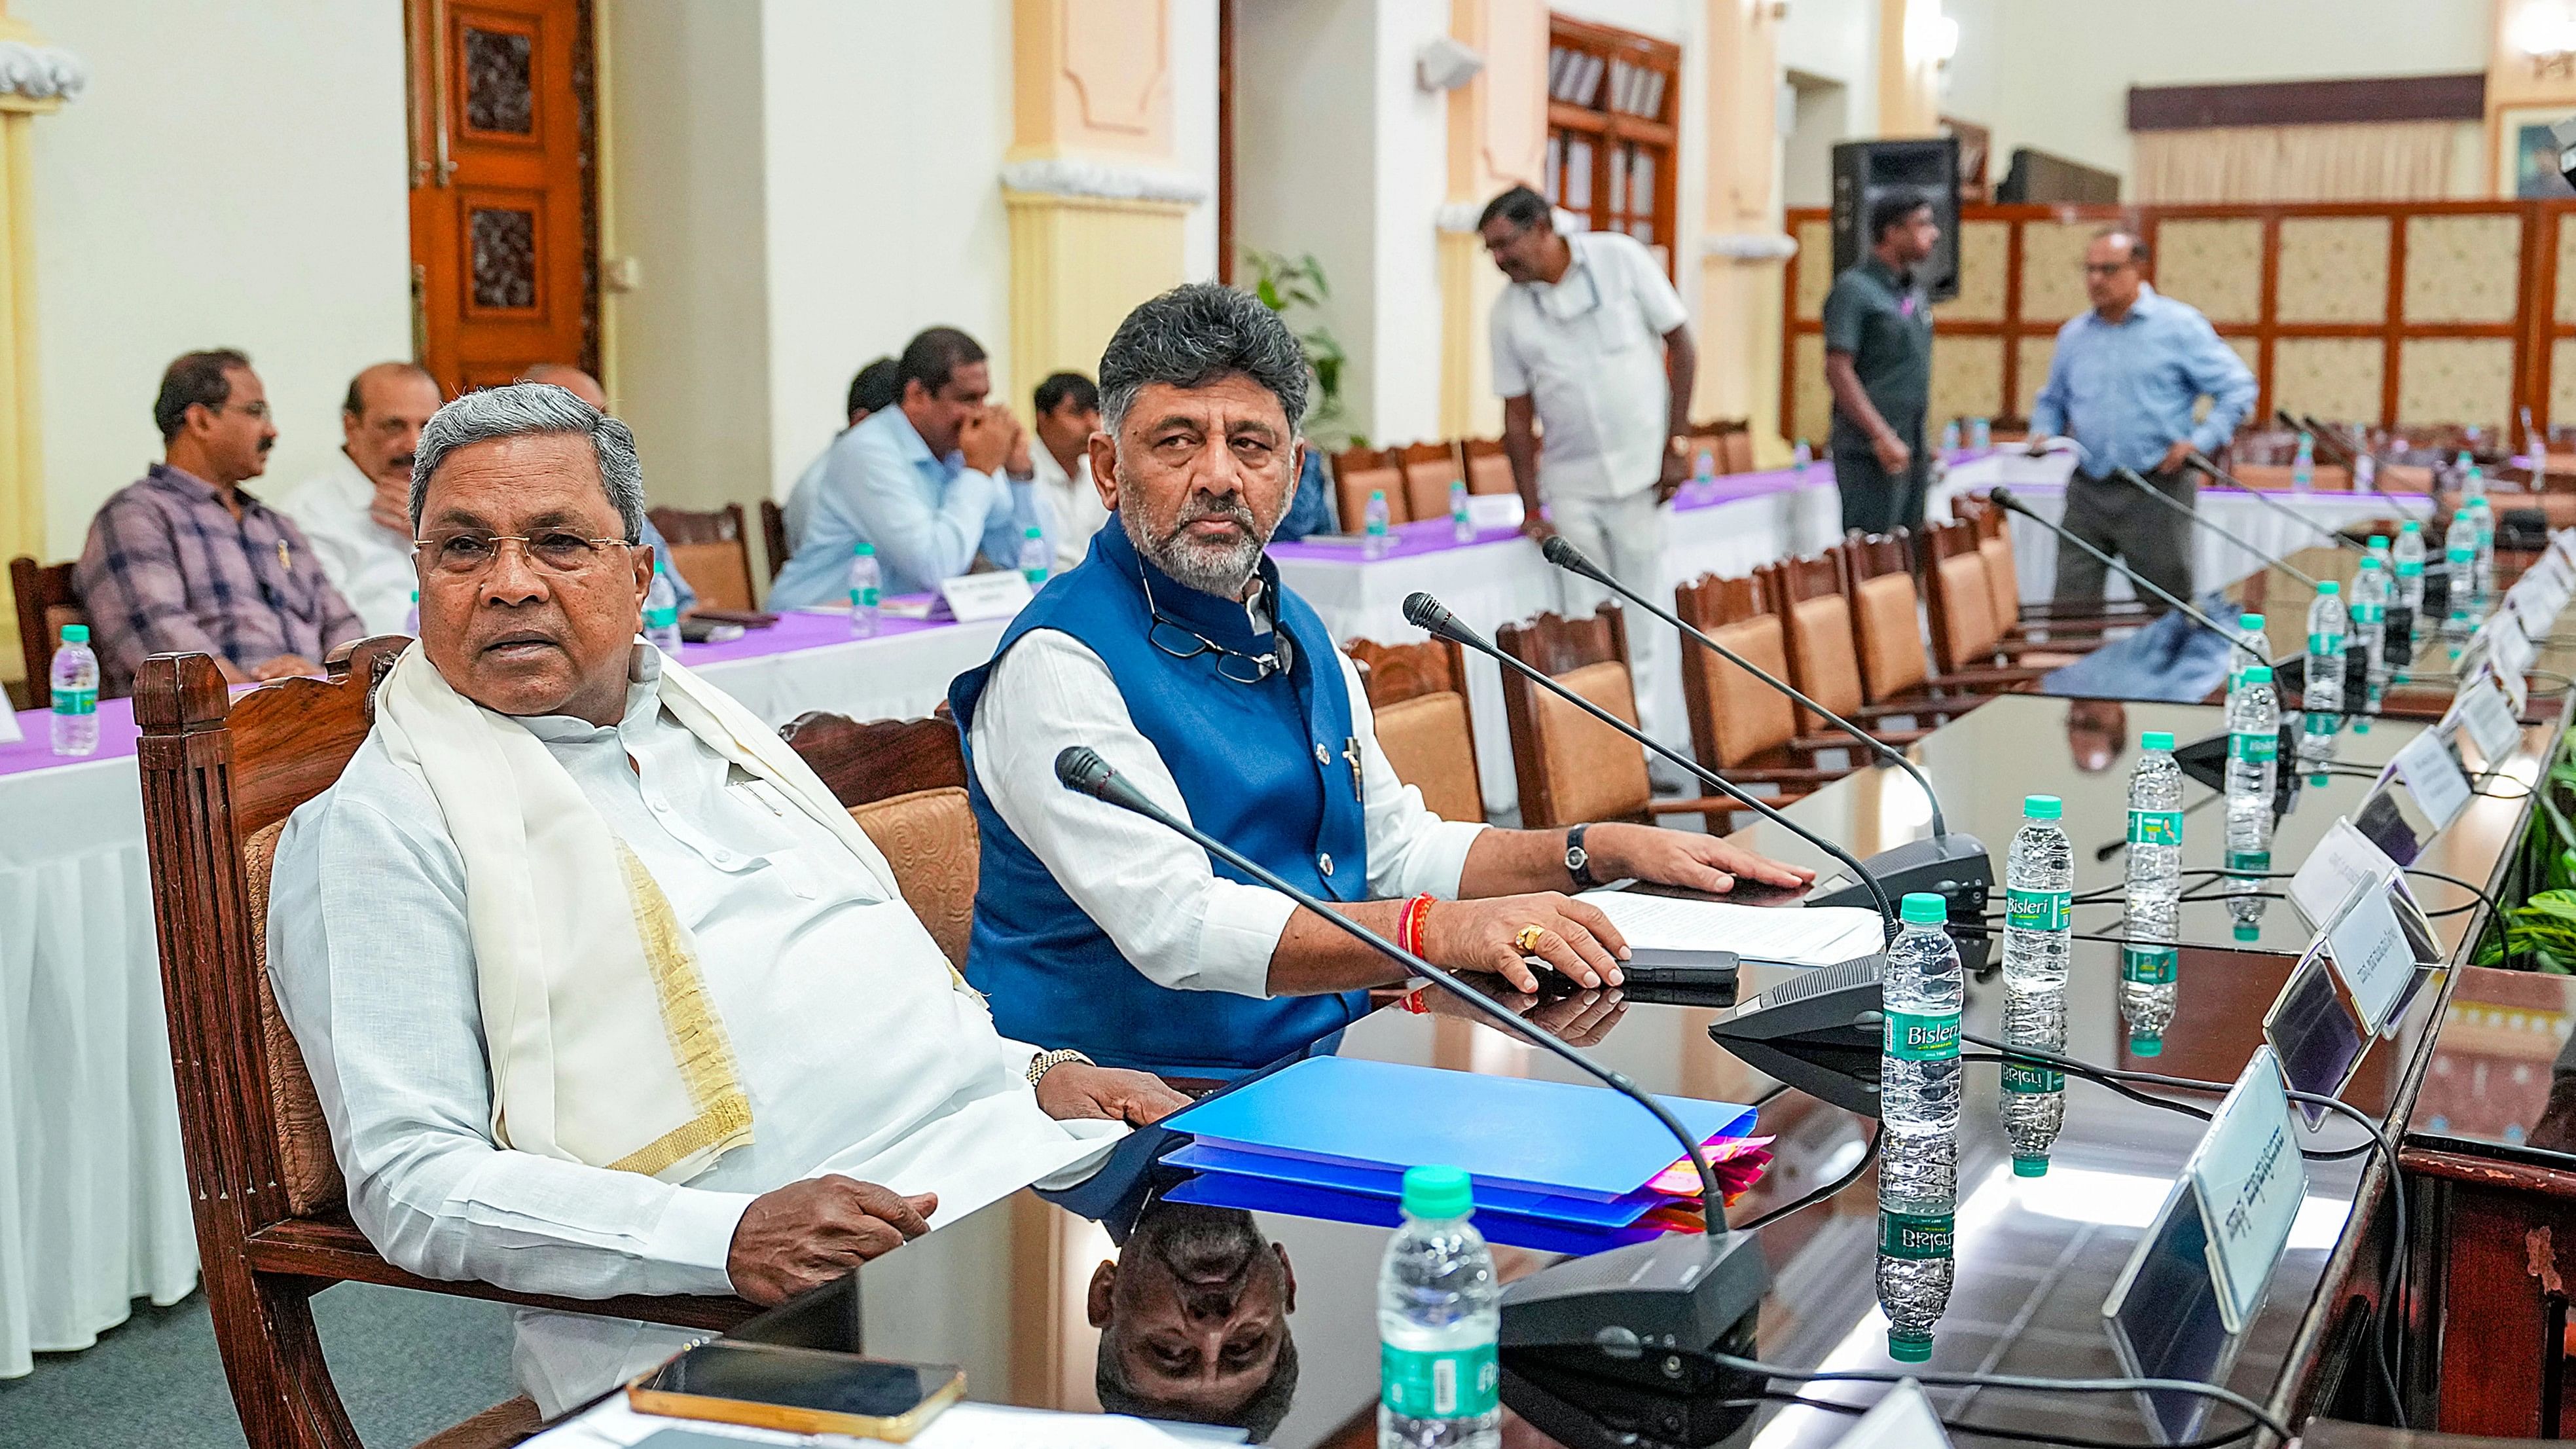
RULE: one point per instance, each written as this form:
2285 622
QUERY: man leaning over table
600 989
1174 650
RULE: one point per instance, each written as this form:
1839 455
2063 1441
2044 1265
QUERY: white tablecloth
93 1187
1490 584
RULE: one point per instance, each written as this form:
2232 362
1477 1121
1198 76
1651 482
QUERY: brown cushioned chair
46 601
1357 472
1959 606
1572 767
1429 469
220 776
1824 653
1735 446
1418 694
1887 625
773 536
711 551
2074 620
904 782
1740 726
1489 469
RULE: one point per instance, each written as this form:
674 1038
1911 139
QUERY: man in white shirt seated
357 512
1174 651
872 390
1068 413
600 989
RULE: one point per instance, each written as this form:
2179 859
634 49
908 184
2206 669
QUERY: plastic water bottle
2155 838
2458 559
411 616
2253 757
2321 706
2034 1095
1375 539
1918 1176
1950 436
2249 632
75 679
2409 553
2482 577
662 613
2365 474
1981 435
2039 886
1800 457
1439 1313
2150 983
867 590
2369 610
1462 524
2473 479
2303 465
1035 557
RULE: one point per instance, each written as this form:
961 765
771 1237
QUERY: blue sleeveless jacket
1260 766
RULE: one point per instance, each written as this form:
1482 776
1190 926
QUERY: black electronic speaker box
1865 171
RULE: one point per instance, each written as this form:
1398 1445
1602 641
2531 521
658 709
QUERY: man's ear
1102 453
1287 1280
1104 1283
642 555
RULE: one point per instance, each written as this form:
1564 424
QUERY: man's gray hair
1194 334
528 409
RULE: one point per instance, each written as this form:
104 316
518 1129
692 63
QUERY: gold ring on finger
1529 938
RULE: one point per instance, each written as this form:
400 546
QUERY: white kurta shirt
367 562
1588 352
1074 509
859 1055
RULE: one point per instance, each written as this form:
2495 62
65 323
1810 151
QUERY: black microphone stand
2130 477
2200 462
1955 867
1675 1291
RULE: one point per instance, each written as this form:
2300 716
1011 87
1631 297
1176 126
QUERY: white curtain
2361 161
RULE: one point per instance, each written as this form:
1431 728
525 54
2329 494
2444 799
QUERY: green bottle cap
2157 739
2379 540
2248 931
863 550
2146 1046
2258 674
79 633
2330 588
1923 908
2369 564
2412 525
2029 1166
2249 621
1437 1192
1031 533
1908 1347
2042 807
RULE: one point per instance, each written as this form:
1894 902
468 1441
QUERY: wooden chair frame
1393 673
1472 451
39 589
1788 582
773 536
1352 480
1429 469
1708 604
215 771
866 761
1945 541
686 527
2088 616
1877 556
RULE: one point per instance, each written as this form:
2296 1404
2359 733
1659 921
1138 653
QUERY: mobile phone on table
800 1390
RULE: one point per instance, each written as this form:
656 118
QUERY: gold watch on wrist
1045 1062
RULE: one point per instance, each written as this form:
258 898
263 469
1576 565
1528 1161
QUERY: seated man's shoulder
324 496
376 810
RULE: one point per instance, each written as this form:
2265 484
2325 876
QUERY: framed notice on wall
2526 154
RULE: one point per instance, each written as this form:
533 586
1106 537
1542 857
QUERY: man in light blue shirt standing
2122 386
930 482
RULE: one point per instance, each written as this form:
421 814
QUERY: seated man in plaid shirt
185 560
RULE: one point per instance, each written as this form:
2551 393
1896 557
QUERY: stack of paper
1791 936
1556 1166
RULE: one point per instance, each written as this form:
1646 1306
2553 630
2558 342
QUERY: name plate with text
1495 510
2434 777
2371 953
2249 1177
2491 725
998 594
2341 861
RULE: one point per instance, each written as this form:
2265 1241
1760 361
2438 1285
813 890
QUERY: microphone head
1560 551
1080 767
1430 615
2002 497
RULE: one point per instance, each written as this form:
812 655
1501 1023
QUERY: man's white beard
1220 569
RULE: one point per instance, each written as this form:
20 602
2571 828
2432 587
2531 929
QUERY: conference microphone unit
2005 499
2201 463
1675 1292
1430 615
2130 476
1955 867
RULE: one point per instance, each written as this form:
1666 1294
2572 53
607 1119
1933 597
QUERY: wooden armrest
1786 774
1979 679
1721 805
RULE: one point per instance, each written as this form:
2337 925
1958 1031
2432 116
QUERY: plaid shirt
168 568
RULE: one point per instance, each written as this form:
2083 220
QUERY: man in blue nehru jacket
1173 651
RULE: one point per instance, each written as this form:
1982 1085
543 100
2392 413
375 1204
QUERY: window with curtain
1613 96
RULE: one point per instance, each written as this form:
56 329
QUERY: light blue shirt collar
915 449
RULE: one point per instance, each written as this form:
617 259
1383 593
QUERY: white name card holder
2432 775
2490 721
2249 1178
2371 956
996 594
9 734
1488 511
2344 859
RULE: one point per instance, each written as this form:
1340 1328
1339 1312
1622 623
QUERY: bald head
381 418
572 380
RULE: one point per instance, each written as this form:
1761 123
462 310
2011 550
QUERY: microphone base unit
1957 867
1820 1032
1679 1292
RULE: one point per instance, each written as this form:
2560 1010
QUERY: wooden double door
503 187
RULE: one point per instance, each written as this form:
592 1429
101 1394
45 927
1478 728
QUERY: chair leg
273 1358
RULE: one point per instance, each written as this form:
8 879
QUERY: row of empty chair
1416 477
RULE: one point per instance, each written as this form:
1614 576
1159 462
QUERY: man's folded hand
808 1233
1079 1089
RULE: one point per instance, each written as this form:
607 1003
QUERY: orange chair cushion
309 1173
1426 487
1890 629
720 572
1491 473
1735 453
1748 716
1967 615
1353 488
1828 666
1428 741
2003 585
929 837
1592 771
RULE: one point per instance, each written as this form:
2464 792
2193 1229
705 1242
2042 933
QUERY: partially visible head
2095 731
1520 235
1193 1320
941 381
1068 409
873 389
2114 268
381 418
1903 227
1201 392
213 414
546 627
572 380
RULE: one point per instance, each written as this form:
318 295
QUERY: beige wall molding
31 72
1102 180
1091 75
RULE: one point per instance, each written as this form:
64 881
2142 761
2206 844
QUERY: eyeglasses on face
257 410
466 552
2106 269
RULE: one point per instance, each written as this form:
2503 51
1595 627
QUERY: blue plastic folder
1550 1138
1388 1184
1225 1190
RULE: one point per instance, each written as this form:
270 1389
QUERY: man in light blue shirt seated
872 391
930 482
2123 385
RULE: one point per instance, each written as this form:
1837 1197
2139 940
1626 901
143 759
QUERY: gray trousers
2128 525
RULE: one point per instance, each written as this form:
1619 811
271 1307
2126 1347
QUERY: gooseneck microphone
2430 495
2004 499
2200 462
1946 864
1678 1289
2130 477
1430 615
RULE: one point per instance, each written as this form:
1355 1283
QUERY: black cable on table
2017 1382
1868 1154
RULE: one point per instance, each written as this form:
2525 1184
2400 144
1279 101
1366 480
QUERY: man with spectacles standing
1174 651
184 559
2122 385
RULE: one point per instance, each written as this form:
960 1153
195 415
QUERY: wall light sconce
2545 30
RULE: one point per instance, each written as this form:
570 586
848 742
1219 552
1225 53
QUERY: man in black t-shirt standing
1878 363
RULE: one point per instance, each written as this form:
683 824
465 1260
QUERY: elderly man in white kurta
601 991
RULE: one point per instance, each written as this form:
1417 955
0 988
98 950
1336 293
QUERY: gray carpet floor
407 1365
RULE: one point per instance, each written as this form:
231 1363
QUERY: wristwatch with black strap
1578 861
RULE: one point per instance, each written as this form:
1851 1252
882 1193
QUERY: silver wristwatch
1045 1062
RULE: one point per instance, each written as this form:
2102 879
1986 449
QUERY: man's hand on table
1682 858
808 1233
1482 935
1079 1089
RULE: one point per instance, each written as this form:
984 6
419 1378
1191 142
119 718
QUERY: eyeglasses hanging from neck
1181 641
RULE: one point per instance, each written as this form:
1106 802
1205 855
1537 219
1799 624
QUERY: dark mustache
403 461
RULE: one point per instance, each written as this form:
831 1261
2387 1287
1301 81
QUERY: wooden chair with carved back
220 776
1741 727
1418 694
1887 627
773 536
2003 582
1572 767
1429 469
46 601
1959 610
1489 469
1824 652
1358 472
711 551
904 782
